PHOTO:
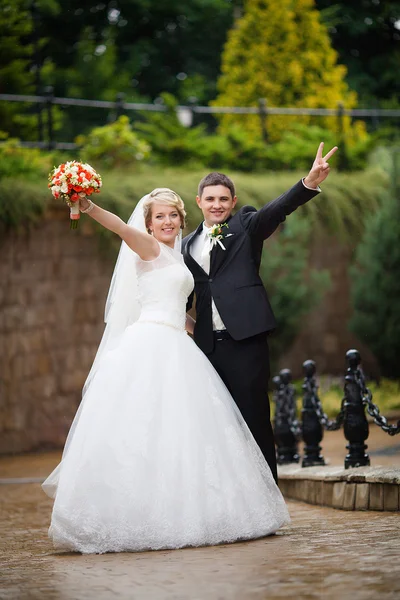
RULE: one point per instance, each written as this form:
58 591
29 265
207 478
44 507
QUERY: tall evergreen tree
280 52
16 76
376 286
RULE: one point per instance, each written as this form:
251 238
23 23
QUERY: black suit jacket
234 281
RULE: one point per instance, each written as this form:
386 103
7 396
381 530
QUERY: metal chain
288 409
328 424
372 408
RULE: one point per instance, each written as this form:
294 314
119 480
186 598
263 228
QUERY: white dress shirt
200 250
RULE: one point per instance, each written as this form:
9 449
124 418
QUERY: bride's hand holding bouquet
74 182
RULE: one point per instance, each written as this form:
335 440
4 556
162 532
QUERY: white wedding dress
159 456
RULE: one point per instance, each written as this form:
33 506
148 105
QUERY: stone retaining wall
52 294
363 488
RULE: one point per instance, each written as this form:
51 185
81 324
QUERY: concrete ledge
364 488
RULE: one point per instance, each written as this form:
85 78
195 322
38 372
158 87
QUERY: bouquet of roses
71 181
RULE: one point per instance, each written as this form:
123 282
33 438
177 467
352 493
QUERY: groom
233 312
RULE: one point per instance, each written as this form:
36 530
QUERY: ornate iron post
311 426
355 424
286 427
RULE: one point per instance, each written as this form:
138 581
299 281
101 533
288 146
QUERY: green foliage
139 48
114 146
296 149
21 201
366 36
340 209
376 286
16 161
235 149
293 288
16 57
268 55
171 142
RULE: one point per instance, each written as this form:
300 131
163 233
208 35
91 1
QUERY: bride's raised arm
144 244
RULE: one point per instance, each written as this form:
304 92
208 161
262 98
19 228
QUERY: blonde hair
163 196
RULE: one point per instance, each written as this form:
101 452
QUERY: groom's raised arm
263 223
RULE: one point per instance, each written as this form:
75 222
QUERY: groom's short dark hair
216 179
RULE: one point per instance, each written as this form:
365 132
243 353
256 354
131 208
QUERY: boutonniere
216 234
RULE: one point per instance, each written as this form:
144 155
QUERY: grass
386 395
346 198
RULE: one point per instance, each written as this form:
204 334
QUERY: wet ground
324 553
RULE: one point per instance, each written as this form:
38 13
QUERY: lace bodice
164 286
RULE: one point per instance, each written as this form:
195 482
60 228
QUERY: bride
158 455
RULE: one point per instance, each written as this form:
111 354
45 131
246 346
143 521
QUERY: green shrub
113 146
292 287
376 286
234 150
21 201
171 142
15 160
297 146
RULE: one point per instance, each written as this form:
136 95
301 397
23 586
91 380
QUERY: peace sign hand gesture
320 169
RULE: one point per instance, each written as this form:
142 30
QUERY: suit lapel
218 255
194 265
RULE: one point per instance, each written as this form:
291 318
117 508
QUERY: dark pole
355 424
285 419
37 65
49 92
312 430
263 112
342 162
119 105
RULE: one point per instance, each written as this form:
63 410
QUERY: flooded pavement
324 553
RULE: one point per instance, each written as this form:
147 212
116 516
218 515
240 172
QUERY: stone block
318 492
391 493
376 496
349 496
383 475
338 494
312 491
327 493
362 496
43 364
304 490
12 317
285 486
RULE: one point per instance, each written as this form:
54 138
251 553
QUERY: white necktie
205 252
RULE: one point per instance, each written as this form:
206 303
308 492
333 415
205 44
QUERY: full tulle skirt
159 456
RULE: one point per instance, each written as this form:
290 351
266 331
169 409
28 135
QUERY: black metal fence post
119 105
263 112
355 424
49 93
37 65
342 158
285 423
312 430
